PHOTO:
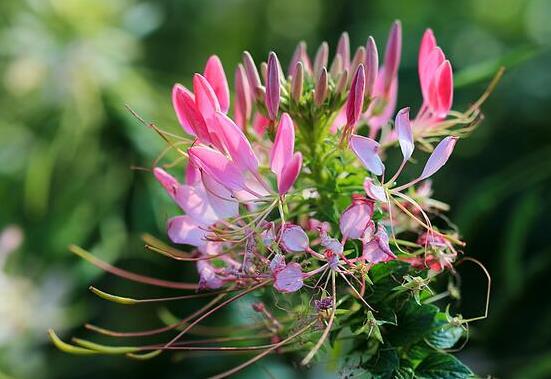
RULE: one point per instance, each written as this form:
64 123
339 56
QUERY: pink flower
356 218
374 191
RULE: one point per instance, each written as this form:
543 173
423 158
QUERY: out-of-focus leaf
440 366
486 70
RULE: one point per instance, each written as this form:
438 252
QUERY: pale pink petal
169 183
186 230
289 174
217 166
192 174
374 191
378 250
355 99
220 198
382 108
272 86
366 149
208 278
405 133
289 279
392 55
284 144
294 239
277 263
236 144
214 73
194 201
355 219
439 156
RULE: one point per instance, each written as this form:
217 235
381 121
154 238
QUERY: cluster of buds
293 192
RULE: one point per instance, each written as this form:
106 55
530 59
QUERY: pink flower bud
322 56
320 91
371 66
359 58
300 55
392 55
355 100
272 86
242 97
297 82
252 73
343 49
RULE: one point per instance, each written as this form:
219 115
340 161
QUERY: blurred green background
68 145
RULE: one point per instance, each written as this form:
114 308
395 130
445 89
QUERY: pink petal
272 86
214 73
188 114
284 144
441 90
208 278
192 174
217 166
178 104
242 97
371 66
439 157
427 74
186 230
205 97
355 100
366 149
377 250
236 144
277 263
289 279
294 239
428 43
382 107
321 59
405 134
220 198
392 55
289 174
260 124
169 183
355 219
194 201
374 191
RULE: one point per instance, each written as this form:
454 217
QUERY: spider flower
294 194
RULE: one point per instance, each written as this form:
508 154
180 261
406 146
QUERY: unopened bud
322 56
321 88
371 66
273 88
297 82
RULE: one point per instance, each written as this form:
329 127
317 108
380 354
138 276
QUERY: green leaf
414 323
371 328
384 365
442 366
404 373
445 335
